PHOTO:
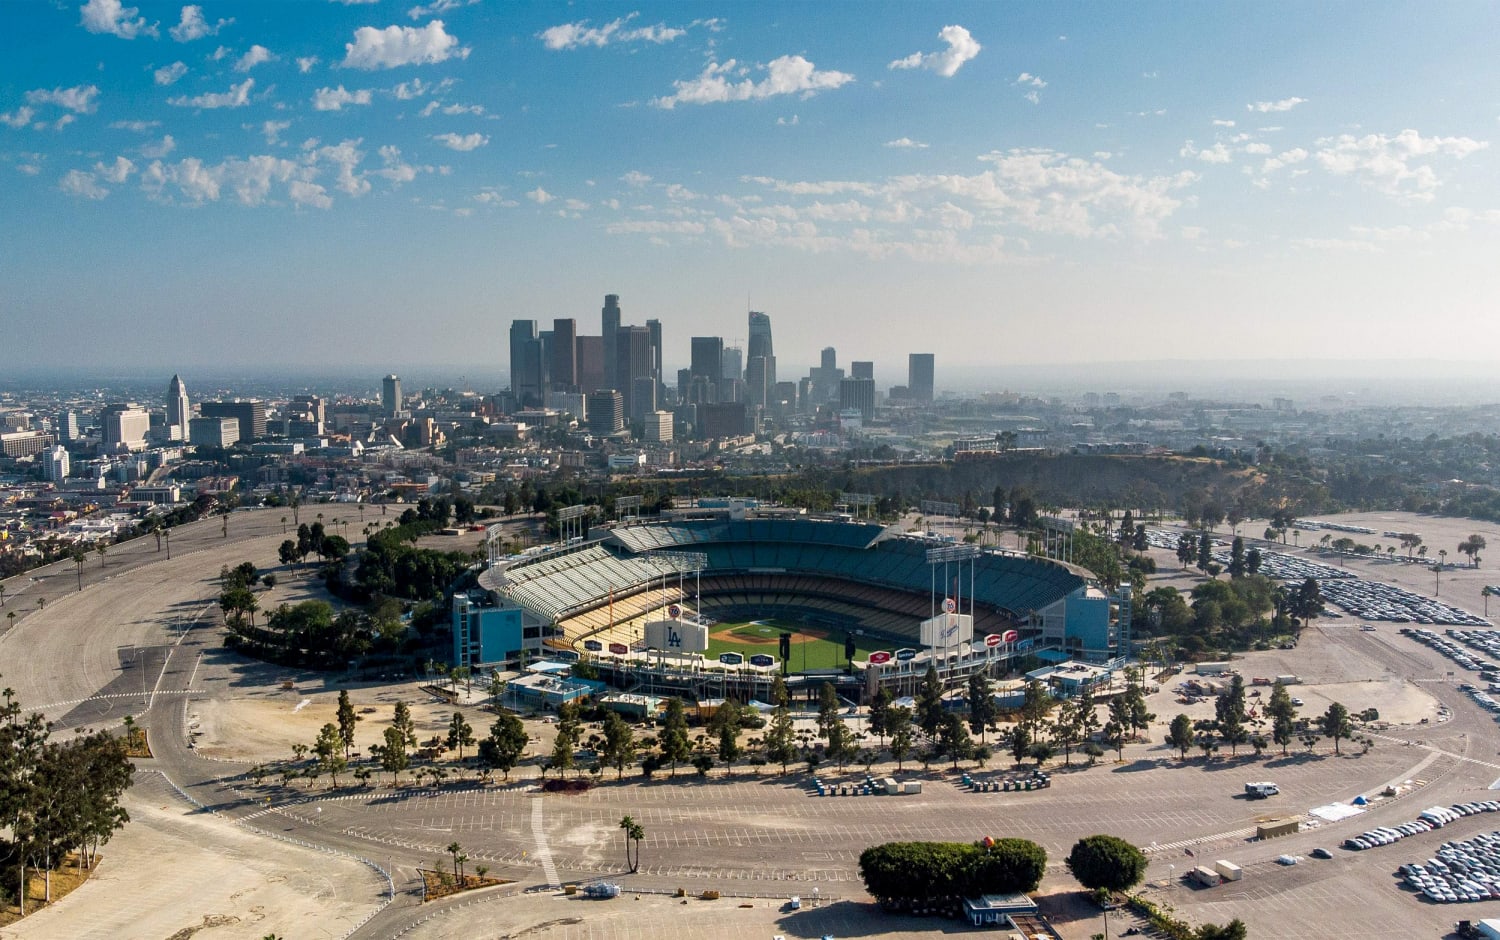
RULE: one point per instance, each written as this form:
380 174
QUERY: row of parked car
1429 819
1463 870
1482 641
1286 567
1376 600
1449 648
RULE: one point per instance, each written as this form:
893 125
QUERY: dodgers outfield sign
674 636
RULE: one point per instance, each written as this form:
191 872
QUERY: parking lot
758 833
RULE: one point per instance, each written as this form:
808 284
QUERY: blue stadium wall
861 553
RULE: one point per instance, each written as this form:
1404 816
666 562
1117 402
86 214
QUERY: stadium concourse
593 597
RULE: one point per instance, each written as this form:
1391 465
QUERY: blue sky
390 184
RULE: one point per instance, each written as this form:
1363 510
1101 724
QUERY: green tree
1108 862
930 702
880 709
726 724
619 744
348 720
1335 724
1230 713
983 711
899 724
1065 728
954 740
460 734
330 750
674 736
1283 715
1020 742
393 753
506 742
401 720
828 710
1180 735
781 739
1234 930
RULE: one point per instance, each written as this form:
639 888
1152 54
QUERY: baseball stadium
764 592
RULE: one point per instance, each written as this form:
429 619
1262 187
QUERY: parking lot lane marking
539 841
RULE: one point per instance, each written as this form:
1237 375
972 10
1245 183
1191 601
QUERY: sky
387 185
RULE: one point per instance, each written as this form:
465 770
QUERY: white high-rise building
178 410
56 464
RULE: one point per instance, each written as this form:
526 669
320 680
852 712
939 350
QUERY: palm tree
100 551
283 525
634 832
10 616
1485 593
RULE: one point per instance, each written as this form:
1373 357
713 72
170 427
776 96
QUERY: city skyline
218 185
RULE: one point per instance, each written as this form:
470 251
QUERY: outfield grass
827 653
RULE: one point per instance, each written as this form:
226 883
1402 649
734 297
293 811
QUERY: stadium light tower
949 555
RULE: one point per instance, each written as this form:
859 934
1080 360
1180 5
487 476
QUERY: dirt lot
264 729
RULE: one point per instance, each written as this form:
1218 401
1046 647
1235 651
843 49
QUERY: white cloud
139 127
1257 149
635 179
255 56
396 46
334 99
305 63
236 97
540 196
415 88
159 149
396 170
1388 164
985 217
1218 153
1285 104
220 54
1026 78
1287 158
346 155
793 121
905 143
787 75
1219 123
80 98
490 197
116 172
194 26
58 124
961 48
271 130
18 118
464 142
574 35
436 7
304 193
111 16
169 74
84 185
